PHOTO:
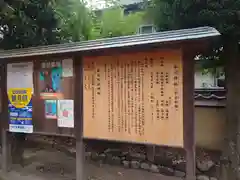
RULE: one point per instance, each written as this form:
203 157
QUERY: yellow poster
20 110
20 97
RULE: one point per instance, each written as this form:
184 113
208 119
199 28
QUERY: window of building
145 29
220 79
205 79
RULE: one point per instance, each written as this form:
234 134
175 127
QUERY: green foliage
74 19
223 15
175 14
27 23
113 22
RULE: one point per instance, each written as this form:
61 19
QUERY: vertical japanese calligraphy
134 97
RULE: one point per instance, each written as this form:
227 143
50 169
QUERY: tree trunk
230 161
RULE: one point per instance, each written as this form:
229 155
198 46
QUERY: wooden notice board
134 97
54 82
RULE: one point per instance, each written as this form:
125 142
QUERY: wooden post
6 149
188 115
151 153
6 141
17 148
78 118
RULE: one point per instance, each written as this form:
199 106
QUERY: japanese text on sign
134 97
20 98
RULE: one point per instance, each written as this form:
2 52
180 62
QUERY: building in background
209 86
213 78
131 6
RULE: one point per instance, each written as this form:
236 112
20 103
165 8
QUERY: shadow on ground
45 164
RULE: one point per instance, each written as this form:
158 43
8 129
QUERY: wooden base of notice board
135 97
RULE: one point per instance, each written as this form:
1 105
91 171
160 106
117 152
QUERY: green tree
74 19
112 22
225 16
27 23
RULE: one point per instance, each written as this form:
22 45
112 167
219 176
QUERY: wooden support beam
78 118
6 149
6 138
151 153
188 114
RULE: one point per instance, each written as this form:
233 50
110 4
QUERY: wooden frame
189 144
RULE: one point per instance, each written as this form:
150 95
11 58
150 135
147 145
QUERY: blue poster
51 109
20 110
51 79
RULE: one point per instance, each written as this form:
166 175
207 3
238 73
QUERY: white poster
65 113
67 66
20 89
20 75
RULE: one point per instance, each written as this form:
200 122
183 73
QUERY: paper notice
67 65
65 113
20 75
20 90
51 109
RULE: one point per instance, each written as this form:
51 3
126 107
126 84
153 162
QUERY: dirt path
54 165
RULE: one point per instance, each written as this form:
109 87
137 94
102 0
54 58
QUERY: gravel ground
48 164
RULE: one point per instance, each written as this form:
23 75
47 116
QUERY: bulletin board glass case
53 106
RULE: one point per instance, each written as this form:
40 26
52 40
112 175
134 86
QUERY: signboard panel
20 91
54 84
134 97
66 113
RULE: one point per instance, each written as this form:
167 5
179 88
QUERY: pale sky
100 4
96 4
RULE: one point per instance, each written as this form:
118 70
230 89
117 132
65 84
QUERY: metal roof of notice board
116 42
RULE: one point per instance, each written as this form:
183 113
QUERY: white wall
204 80
210 125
